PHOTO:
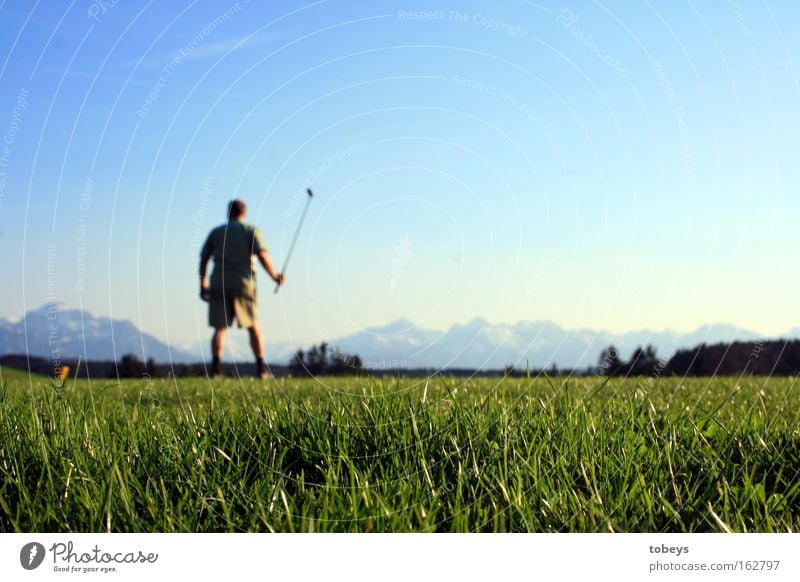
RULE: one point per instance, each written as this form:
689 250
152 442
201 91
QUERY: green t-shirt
232 246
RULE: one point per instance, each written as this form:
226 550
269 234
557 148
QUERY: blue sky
608 165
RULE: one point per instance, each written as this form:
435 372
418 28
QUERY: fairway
362 454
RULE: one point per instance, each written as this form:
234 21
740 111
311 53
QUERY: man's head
236 210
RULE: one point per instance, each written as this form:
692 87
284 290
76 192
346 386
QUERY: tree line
325 360
763 357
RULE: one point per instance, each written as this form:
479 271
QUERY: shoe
214 371
262 372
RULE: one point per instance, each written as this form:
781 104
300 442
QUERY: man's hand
205 294
266 262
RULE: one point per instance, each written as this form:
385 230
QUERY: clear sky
611 165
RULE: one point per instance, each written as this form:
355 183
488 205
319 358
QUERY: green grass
363 454
18 376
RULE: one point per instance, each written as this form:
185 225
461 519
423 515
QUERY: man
232 291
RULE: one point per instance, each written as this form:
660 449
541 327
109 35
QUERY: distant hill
79 333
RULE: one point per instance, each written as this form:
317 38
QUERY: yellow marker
63 373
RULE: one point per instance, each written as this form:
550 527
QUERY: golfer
232 291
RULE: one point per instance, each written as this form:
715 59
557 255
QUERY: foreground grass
361 454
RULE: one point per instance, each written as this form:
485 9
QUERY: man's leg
217 344
257 344
220 314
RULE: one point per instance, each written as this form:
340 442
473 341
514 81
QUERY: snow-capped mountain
483 345
52 330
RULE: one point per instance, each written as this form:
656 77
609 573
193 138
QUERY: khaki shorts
225 305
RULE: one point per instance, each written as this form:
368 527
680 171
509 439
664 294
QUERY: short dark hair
236 209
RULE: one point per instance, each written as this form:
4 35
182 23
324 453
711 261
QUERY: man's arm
205 256
204 295
266 262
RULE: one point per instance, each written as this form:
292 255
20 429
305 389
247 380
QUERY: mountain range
477 344
480 344
73 332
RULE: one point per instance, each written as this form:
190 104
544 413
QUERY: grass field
364 454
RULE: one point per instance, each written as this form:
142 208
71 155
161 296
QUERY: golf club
296 234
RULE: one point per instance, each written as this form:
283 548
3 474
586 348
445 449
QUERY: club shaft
294 239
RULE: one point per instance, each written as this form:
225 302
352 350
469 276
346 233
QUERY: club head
310 193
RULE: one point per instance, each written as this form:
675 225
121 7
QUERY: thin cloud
127 81
98 77
202 50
